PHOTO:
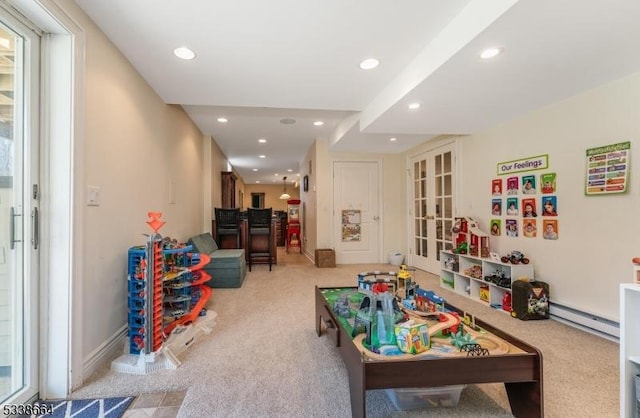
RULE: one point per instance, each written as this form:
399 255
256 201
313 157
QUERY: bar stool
259 225
227 223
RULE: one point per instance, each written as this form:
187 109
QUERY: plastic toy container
413 398
396 258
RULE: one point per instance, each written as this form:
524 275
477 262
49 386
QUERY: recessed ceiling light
490 53
223 120
288 121
289 170
263 156
394 139
262 140
414 106
369 64
318 123
255 169
184 53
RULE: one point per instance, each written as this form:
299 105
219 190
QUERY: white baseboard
594 324
106 352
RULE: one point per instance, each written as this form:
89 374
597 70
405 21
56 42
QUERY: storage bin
396 258
325 257
412 398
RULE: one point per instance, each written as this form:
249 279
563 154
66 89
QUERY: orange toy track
204 260
205 294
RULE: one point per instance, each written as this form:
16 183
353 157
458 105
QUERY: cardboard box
325 257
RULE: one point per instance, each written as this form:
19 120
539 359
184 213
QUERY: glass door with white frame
432 209
19 49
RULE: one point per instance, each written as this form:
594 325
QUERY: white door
431 185
19 88
356 212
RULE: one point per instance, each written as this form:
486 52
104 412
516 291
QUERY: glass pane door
433 206
18 195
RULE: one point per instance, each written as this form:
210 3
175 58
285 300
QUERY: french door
431 185
19 194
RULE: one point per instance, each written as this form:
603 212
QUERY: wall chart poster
350 225
608 169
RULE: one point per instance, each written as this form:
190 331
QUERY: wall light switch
93 196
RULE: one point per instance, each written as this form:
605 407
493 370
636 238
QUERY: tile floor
162 405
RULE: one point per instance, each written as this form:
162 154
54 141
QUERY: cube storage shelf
464 274
629 349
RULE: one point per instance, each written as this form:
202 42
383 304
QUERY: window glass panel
447 185
447 162
448 209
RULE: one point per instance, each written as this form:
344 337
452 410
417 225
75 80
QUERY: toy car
516 257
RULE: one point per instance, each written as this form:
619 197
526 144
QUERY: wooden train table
510 361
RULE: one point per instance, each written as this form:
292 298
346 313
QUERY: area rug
86 408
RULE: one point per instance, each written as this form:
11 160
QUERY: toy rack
166 296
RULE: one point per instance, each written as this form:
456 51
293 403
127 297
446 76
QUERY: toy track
493 344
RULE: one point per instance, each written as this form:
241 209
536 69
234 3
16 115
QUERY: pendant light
284 195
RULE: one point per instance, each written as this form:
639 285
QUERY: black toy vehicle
516 257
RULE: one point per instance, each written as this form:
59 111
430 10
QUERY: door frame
431 147
62 181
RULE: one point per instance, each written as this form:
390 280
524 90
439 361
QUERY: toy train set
391 317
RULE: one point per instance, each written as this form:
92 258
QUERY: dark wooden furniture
281 227
228 190
260 224
259 242
228 223
521 372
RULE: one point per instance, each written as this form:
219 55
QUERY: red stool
293 236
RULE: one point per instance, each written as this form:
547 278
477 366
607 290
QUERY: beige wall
145 156
319 199
598 234
271 195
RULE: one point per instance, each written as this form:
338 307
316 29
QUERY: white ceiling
261 61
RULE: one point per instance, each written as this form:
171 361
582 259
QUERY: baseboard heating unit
594 324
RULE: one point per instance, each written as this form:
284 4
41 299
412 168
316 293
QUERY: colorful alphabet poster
608 169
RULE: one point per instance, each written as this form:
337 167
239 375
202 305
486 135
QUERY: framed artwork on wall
305 183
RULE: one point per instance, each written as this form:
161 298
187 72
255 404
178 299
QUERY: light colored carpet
263 358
